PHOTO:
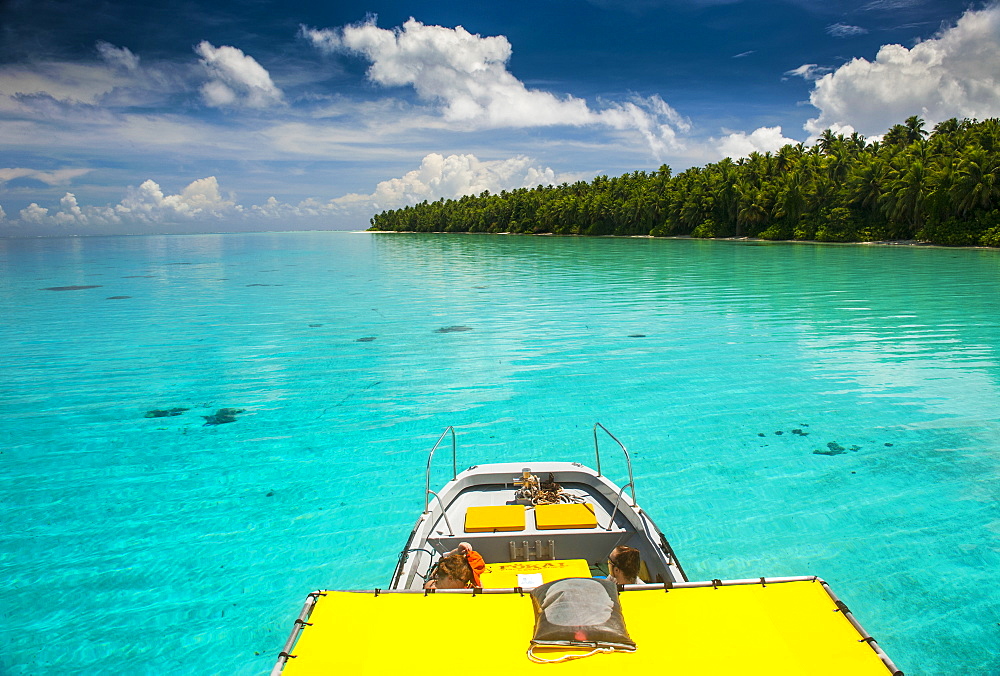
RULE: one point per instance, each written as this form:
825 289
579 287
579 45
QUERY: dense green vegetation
941 187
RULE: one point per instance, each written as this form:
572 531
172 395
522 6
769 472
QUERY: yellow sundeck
772 626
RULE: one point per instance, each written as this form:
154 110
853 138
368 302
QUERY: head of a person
623 564
453 572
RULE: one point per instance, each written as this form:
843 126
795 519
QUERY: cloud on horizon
761 140
148 206
145 205
453 177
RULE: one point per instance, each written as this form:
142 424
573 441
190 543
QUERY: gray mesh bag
578 612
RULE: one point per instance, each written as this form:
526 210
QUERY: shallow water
165 545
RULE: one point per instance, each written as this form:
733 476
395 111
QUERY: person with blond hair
458 569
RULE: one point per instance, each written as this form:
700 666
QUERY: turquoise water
164 545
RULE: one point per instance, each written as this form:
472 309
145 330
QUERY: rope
552 497
566 658
545 493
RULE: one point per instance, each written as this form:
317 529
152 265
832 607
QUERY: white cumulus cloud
466 75
33 214
202 198
236 78
144 205
452 177
70 212
761 140
954 74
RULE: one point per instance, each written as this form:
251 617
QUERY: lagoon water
162 545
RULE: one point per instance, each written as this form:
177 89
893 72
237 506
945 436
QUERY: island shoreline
885 243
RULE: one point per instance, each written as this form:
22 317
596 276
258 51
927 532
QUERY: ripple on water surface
789 409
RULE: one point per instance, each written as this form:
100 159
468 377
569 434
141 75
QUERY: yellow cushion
490 519
570 515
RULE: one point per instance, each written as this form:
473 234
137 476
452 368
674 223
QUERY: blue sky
189 116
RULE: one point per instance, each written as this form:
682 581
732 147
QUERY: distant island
940 187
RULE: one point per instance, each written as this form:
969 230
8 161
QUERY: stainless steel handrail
454 466
618 502
628 460
444 513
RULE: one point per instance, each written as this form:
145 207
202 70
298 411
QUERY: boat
540 522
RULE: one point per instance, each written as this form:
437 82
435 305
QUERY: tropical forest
938 186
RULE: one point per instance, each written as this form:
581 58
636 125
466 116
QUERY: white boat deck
496 546
493 486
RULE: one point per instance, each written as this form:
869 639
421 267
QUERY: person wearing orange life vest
458 569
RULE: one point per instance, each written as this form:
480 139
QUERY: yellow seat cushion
494 518
570 515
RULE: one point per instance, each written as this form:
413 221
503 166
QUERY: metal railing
618 502
454 466
444 513
628 461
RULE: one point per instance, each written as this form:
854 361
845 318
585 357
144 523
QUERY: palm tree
827 141
898 135
914 128
867 184
791 202
906 196
977 181
752 210
786 157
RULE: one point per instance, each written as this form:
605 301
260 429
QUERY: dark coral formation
832 447
222 416
165 413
